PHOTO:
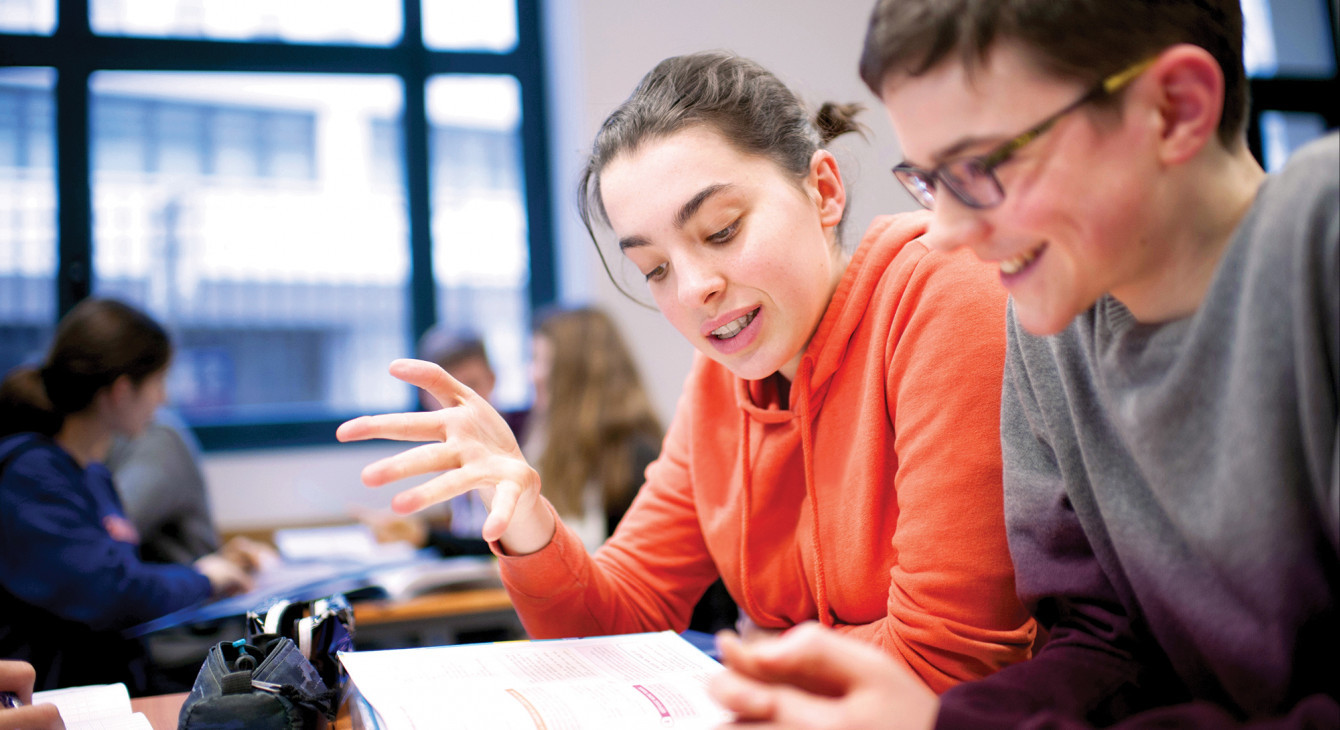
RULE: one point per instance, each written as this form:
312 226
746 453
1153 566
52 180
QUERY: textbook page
95 707
652 680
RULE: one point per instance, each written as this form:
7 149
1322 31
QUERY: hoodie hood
822 359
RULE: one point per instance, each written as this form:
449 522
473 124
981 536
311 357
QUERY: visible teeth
1017 264
733 328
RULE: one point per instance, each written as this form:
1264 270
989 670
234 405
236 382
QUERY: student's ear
825 188
1189 96
117 392
121 389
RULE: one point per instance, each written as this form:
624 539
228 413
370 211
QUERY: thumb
501 509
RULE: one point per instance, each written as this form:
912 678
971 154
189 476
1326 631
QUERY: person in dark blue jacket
71 578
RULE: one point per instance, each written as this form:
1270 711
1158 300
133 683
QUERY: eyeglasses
973 179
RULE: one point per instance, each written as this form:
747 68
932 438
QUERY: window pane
480 255
366 22
27 214
1287 38
28 16
241 210
1284 132
470 25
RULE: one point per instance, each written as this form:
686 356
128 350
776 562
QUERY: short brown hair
1083 40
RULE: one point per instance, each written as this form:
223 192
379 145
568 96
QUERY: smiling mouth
734 327
1017 264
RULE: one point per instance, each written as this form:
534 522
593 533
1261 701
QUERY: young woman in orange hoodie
835 455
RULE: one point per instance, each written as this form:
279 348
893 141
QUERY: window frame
1285 93
75 52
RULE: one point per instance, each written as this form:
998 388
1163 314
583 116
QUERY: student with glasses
1169 418
835 453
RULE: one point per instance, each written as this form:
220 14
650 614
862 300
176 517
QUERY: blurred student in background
162 490
163 493
71 577
593 431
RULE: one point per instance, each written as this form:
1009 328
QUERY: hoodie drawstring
747 474
807 454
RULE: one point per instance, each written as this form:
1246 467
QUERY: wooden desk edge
430 606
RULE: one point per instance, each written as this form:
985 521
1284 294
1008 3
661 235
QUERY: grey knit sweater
1173 492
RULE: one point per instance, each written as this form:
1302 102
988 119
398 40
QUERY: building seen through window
264 217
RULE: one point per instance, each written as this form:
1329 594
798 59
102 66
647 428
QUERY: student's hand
226 578
249 555
392 527
813 677
17 677
474 450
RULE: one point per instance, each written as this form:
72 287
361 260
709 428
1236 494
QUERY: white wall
597 50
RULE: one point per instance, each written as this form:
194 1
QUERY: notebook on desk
628 682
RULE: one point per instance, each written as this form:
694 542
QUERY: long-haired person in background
71 577
592 429
835 455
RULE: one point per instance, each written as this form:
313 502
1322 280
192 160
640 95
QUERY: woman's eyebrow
686 212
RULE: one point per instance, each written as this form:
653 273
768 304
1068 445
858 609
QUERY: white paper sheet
653 680
94 707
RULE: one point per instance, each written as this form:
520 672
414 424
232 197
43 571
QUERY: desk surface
431 606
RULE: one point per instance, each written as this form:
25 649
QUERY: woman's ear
121 390
825 188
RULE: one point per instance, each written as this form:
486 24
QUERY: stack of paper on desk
354 541
94 707
654 680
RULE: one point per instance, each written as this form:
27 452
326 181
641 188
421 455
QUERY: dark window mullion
415 69
535 152
74 198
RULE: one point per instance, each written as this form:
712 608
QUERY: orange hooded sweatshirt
871 501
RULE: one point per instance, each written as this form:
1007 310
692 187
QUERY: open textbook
95 707
653 681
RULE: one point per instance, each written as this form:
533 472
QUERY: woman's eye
656 274
725 234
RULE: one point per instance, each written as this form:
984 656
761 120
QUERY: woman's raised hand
471 447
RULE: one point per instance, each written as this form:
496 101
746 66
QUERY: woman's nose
699 280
